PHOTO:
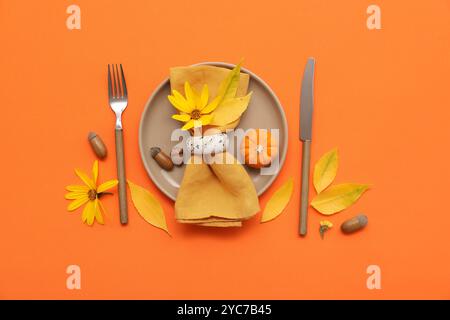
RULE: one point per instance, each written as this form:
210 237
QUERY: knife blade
306 112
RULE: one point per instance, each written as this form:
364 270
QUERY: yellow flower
89 194
194 109
325 225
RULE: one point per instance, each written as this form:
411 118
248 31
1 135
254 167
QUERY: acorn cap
154 151
362 218
91 135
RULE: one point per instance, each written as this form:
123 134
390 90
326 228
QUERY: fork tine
119 83
109 83
124 84
115 93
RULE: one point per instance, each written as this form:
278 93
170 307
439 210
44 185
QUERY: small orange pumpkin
258 148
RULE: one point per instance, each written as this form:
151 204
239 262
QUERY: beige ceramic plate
156 126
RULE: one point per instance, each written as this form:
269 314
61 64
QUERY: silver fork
118 100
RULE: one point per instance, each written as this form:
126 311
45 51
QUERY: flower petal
212 106
77 203
91 214
74 188
206 119
107 185
98 213
178 101
95 171
181 117
88 211
188 125
102 208
73 195
84 177
191 97
204 97
196 98
197 123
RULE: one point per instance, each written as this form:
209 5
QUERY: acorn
97 144
354 224
162 159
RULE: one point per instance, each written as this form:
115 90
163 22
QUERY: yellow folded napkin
217 194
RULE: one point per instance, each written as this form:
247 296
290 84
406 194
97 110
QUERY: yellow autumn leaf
148 206
230 110
228 87
338 197
278 201
325 170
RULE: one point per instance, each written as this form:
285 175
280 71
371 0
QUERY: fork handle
121 177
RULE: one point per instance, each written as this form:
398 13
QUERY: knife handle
120 158
304 196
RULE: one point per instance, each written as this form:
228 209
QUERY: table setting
205 151
213 138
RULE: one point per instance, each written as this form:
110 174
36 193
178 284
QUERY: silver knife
306 112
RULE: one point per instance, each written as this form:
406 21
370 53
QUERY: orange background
382 98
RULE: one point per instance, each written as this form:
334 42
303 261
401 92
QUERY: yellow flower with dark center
195 111
89 194
325 225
